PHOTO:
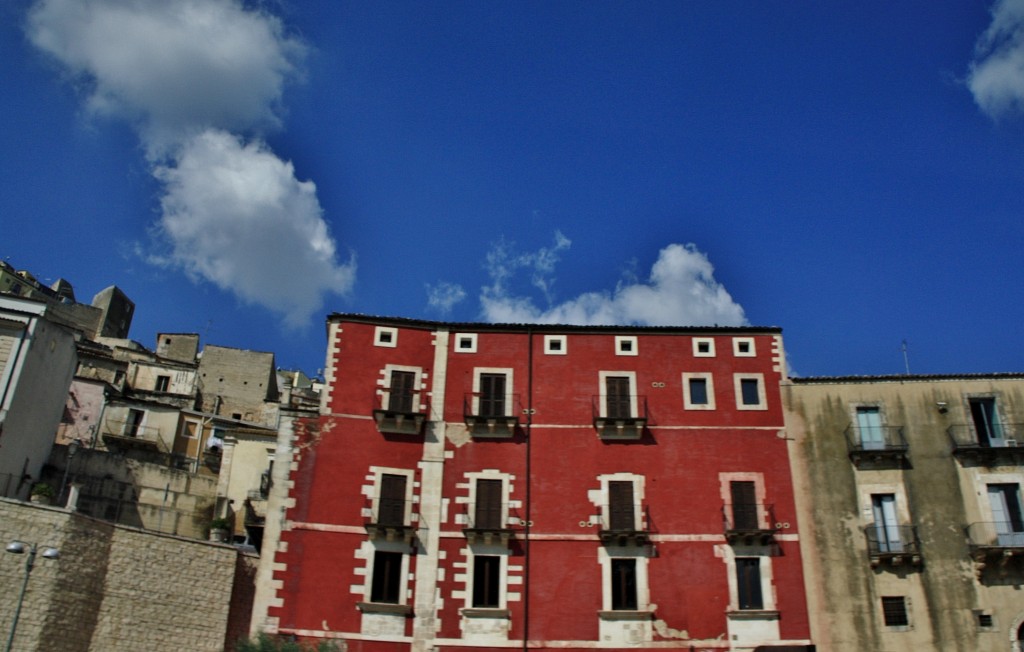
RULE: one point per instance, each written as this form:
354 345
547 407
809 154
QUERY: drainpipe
526 544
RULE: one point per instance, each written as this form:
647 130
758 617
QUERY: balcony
619 418
988 445
132 436
876 444
619 527
491 417
748 523
995 543
389 520
491 525
401 414
893 545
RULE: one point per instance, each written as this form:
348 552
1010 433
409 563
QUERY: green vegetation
267 643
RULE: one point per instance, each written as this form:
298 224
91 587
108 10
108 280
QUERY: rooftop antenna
906 360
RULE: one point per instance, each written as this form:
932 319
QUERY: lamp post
73 446
18 548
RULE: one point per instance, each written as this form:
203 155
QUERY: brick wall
114 588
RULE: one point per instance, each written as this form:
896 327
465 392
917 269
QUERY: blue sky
851 172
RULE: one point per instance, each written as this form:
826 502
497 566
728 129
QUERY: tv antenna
906 360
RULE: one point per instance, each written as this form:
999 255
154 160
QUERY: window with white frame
750 392
703 347
749 593
743 347
465 342
486 589
492 392
402 389
386 577
488 503
625 579
392 497
556 345
698 391
622 497
626 345
385 336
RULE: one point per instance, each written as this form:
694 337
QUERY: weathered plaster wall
941 495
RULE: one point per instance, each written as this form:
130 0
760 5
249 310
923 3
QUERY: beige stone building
909 491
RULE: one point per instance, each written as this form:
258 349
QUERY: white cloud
185 73
237 216
443 296
996 75
172 67
681 290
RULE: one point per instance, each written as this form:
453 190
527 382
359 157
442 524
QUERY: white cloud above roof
996 75
193 76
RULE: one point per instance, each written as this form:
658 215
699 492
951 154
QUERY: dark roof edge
899 378
546 328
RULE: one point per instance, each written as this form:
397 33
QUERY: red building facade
478 487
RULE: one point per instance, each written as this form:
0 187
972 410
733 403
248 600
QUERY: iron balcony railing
748 522
490 415
399 412
884 540
996 534
619 416
875 440
127 431
389 519
967 437
624 524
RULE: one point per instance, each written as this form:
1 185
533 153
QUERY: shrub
267 643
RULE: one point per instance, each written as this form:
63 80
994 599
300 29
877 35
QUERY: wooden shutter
391 507
492 395
488 504
620 505
744 505
624 584
617 405
403 385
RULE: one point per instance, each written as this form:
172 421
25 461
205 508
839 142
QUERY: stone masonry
114 588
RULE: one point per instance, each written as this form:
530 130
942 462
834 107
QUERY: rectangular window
402 391
617 397
886 527
626 345
391 505
385 336
387 577
486 581
869 427
699 391
492 395
744 505
487 511
162 383
465 342
555 345
894 611
133 425
986 422
703 347
748 583
749 390
621 512
743 347
624 596
1007 515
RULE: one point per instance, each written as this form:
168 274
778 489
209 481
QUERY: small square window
385 336
703 347
555 345
743 347
626 345
985 621
465 342
894 611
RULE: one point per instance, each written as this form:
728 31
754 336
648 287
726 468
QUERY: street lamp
73 446
18 548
